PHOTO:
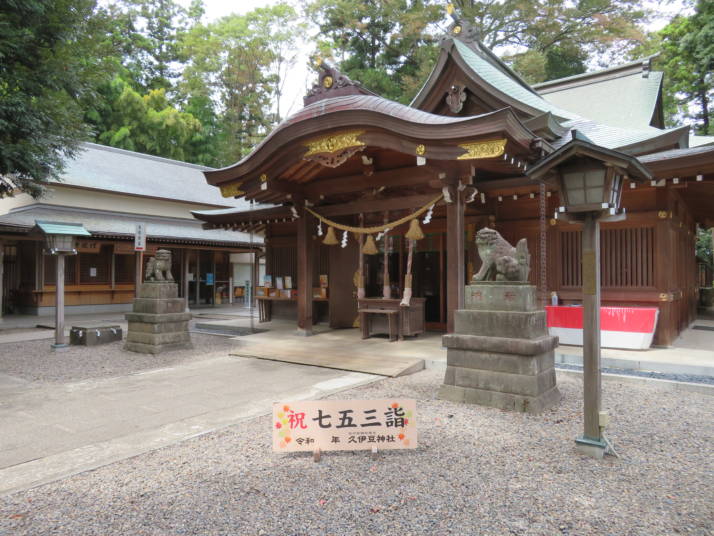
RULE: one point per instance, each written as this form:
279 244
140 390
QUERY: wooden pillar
664 268
455 280
591 326
184 275
198 277
304 269
113 269
59 303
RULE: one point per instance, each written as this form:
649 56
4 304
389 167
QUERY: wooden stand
379 315
265 305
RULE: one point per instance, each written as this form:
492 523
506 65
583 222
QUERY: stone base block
502 382
157 339
508 324
497 296
522 365
158 290
155 348
158 327
500 345
159 306
152 318
507 401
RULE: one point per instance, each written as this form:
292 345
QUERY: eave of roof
362 111
581 147
681 162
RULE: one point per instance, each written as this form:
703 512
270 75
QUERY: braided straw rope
378 228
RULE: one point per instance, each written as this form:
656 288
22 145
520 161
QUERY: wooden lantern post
590 180
59 241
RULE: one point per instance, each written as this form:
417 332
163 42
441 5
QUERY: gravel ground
477 471
689 378
36 361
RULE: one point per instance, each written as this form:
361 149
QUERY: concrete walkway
52 430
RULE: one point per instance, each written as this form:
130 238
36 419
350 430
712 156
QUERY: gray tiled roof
124 225
117 170
624 101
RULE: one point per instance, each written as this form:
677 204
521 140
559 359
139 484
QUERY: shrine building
346 187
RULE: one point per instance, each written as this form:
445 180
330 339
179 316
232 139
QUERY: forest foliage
156 77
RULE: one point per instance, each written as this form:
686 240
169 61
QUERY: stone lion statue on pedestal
158 268
501 261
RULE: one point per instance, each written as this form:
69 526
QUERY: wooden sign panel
306 426
88 246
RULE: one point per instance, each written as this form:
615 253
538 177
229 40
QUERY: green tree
387 46
48 67
705 247
239 62
147 123
687 45
555 38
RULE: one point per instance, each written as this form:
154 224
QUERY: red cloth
633 319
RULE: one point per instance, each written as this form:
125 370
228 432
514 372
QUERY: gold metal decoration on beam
232 190
335 149
420 149
334 142
327 82
482 149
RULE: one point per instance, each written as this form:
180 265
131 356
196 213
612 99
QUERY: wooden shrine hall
369 206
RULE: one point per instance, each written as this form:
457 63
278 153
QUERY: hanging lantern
414 232
370 248
330 238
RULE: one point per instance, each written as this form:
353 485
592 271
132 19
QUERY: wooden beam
409 176
375 205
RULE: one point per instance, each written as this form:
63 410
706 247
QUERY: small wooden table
409 320
370 323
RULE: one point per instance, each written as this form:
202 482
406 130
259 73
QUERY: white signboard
309 425
140 237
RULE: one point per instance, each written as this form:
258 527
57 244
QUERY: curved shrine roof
360 111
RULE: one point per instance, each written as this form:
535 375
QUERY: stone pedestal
158 322
501 354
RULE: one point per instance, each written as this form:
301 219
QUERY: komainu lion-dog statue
158 268
501 261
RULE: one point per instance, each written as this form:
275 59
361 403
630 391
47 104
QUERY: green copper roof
61 228
507 84
625 101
